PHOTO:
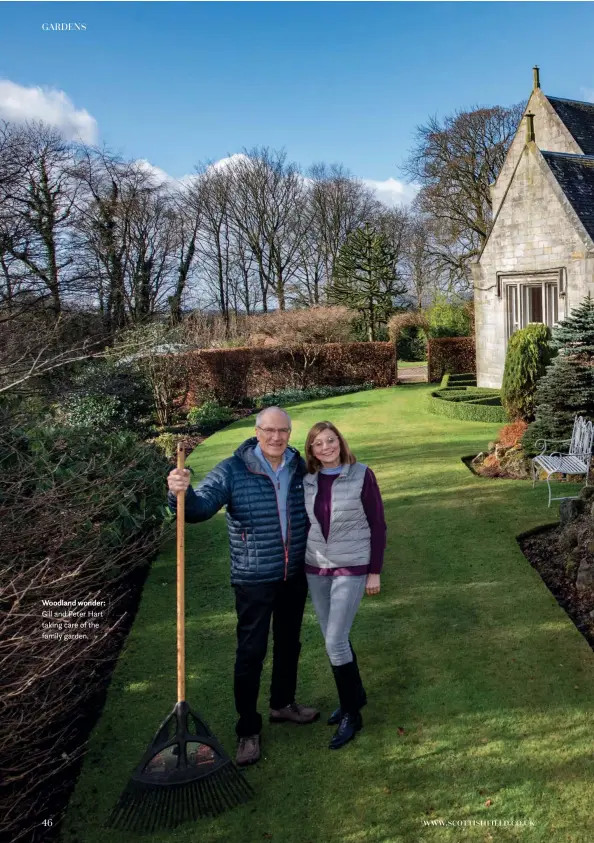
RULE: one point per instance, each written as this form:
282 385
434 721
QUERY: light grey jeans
336 600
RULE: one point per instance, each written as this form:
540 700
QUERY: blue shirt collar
336 470
287 457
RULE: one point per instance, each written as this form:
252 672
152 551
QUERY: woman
344 558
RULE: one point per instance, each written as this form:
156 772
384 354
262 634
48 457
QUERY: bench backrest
582 436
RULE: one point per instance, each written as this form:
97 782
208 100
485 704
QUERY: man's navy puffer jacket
258 553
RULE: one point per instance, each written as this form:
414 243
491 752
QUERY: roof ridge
563 99
579 156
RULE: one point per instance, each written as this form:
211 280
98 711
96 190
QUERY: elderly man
262 487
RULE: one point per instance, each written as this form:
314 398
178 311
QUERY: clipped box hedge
459 398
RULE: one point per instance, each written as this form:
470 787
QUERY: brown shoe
294 713
248 751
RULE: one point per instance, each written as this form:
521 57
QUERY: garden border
466 410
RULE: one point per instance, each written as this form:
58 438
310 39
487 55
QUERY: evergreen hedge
467 403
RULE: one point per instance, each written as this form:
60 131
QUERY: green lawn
480 689
405 364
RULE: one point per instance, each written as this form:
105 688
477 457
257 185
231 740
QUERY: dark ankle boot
348 727
347 681
336 715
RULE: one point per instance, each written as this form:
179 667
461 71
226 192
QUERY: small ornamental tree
449 319
528 354
365 278
567 388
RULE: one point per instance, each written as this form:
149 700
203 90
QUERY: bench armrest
545 441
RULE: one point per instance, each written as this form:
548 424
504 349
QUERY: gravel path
416 374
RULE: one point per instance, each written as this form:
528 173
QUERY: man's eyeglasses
269 431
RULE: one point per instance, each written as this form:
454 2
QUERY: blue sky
178 83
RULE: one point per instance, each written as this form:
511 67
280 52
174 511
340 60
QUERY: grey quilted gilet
349 536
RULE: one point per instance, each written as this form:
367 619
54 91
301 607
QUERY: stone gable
536 236
551 134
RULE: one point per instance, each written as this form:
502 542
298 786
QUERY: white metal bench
575 461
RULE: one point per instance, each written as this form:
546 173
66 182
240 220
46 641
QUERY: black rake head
184 775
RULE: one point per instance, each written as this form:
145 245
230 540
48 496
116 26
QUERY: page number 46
47 822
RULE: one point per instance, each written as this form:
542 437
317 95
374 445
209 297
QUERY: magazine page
296 422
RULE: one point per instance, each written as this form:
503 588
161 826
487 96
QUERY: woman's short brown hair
312 462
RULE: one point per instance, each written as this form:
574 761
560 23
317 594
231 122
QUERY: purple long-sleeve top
374 510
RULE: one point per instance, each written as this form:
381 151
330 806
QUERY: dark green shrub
567 387
107 396
210 416
566 390
468 404
412 344
528 354
295 396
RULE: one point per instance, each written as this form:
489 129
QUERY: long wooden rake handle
181 517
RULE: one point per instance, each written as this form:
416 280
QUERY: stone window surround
556 275
533 276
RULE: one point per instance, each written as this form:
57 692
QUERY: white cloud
226 163
393 192
159 175
19 104
588 94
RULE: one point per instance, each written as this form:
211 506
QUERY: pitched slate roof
579 119
575 174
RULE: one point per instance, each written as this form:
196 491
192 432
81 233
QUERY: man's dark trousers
284 602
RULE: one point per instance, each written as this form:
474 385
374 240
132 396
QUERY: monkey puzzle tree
365 278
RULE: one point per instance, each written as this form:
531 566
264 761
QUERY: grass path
465 650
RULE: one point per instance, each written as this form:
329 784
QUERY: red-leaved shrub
511 434
456 355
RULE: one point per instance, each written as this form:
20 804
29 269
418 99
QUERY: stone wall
536 230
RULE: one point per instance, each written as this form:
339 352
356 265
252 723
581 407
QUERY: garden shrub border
450 354
457 398
233 375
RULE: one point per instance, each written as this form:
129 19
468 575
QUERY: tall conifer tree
567 387
365 278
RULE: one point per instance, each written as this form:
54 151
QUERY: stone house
538 261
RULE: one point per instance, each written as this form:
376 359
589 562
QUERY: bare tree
455 162
266 206
247 289
212 189
128 230
188 210
16 157
38 201
419 271
340 204
153 224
